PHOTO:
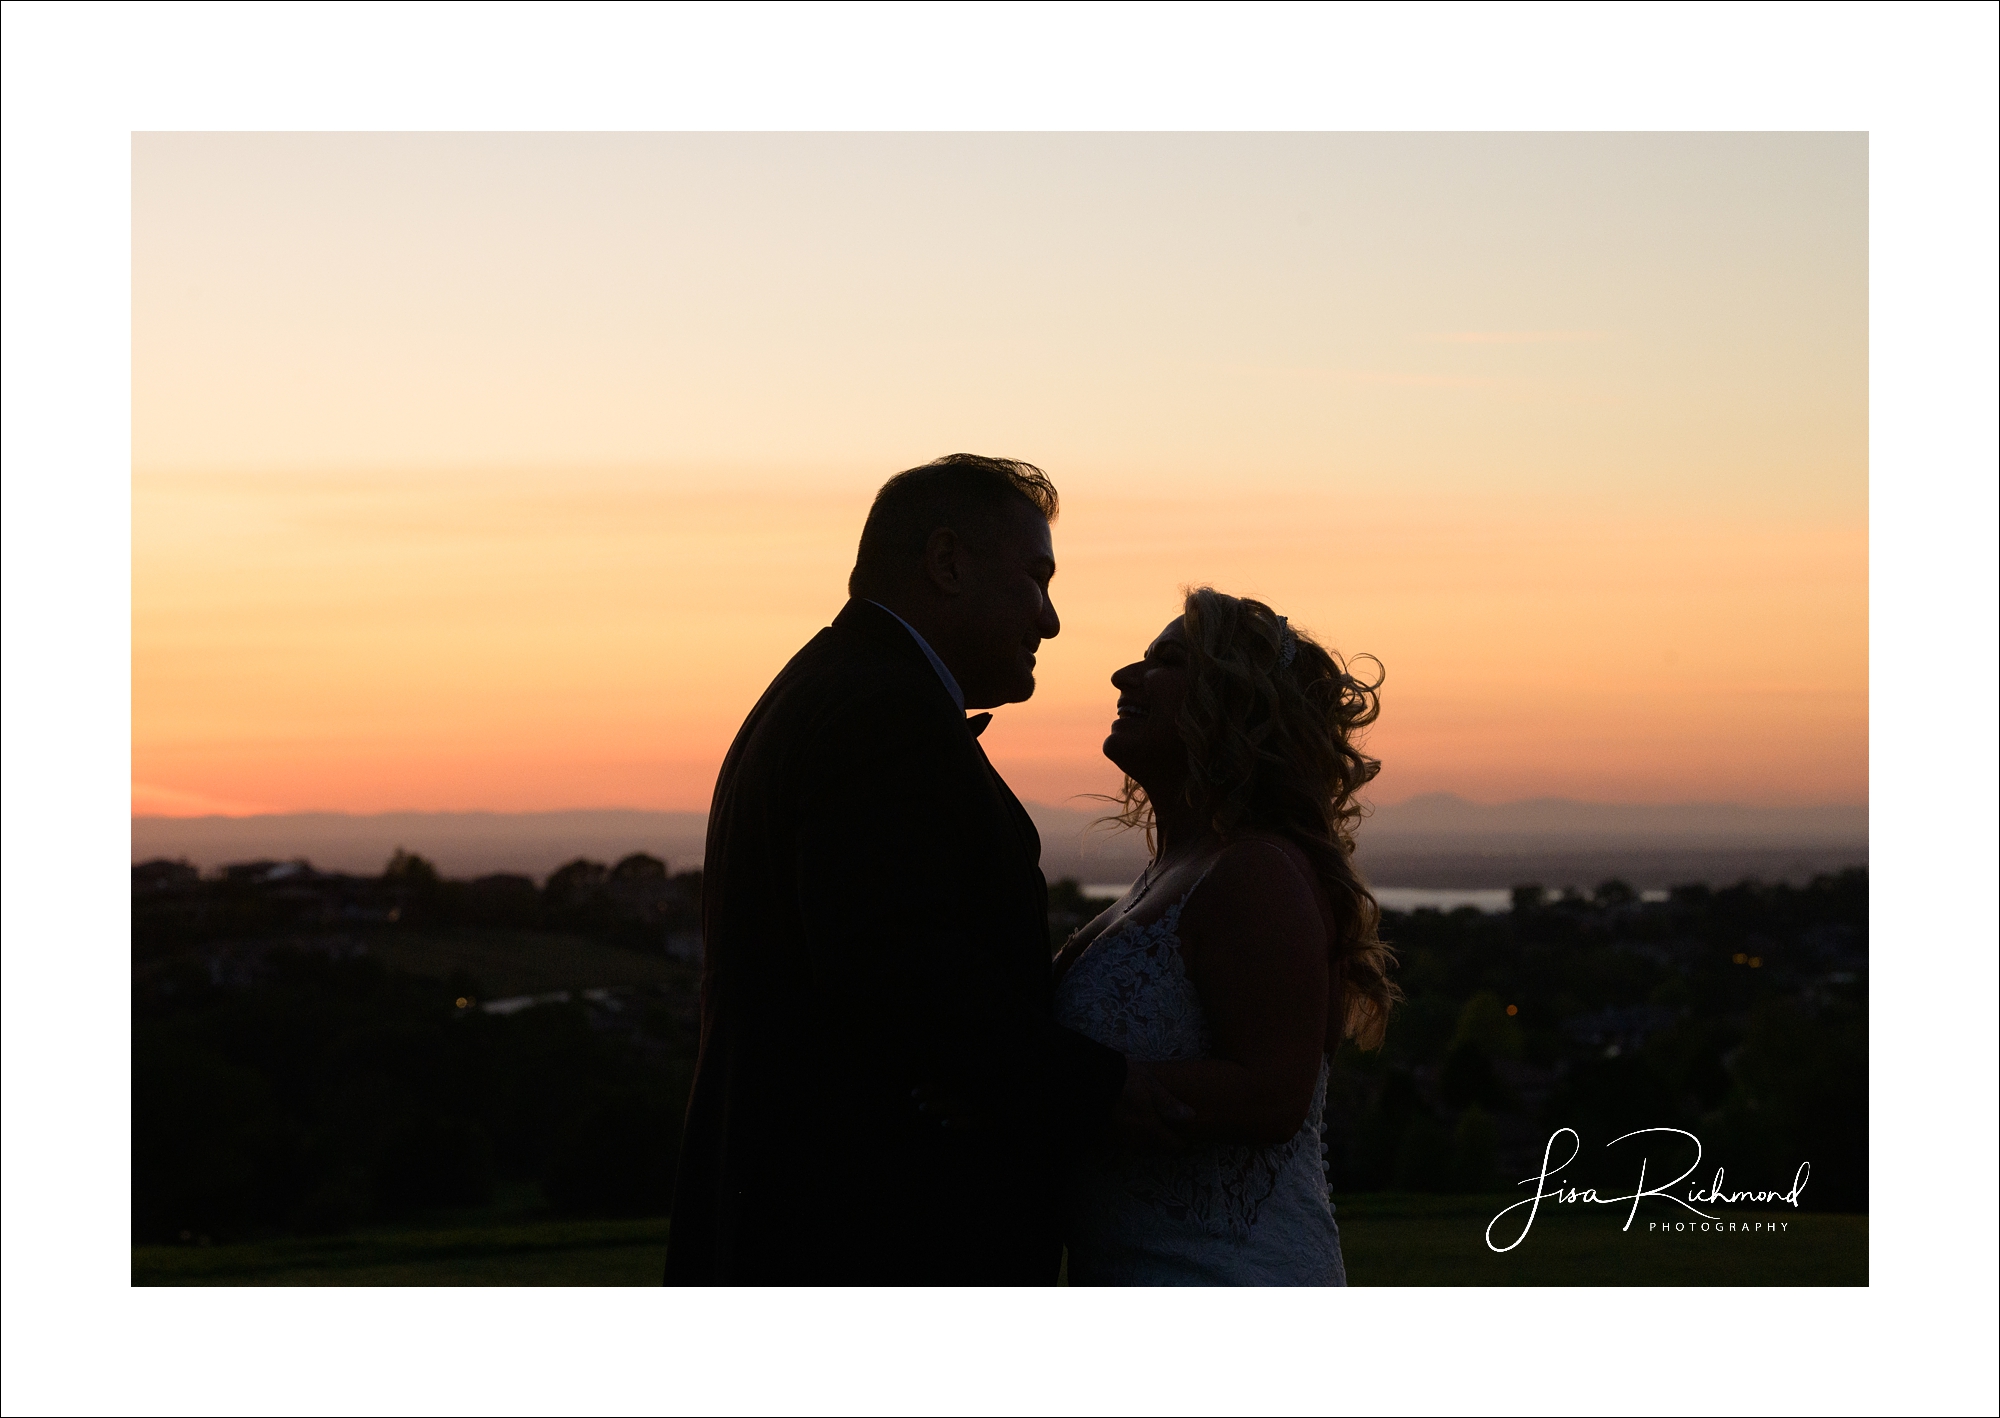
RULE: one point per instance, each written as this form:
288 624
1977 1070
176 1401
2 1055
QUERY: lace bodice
1219 1215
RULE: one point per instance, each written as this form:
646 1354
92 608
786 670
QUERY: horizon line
1065 806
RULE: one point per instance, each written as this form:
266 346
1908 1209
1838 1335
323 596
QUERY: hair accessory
1288 643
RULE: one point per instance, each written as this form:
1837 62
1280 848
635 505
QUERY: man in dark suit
883 1095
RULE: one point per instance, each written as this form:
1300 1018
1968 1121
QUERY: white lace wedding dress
1223 1215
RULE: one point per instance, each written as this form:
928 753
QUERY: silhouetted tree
639 867
409 869
572 885
1614 893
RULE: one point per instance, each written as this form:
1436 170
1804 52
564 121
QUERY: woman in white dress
1239 961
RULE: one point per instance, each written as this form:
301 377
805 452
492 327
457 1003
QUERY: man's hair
964 492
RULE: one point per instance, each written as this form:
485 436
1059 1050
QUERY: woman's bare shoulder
1265 862
1260 880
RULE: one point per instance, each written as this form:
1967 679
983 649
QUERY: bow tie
977 723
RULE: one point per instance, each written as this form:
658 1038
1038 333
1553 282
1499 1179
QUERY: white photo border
81 79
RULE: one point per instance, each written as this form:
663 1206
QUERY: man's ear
944 561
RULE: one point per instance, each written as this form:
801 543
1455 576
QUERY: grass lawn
533 1253
525 962
1440 1240
1388 1240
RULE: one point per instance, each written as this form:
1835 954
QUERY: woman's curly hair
1273 747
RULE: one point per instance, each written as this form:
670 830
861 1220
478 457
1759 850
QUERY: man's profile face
1006 613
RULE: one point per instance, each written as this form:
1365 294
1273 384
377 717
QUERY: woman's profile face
1146 735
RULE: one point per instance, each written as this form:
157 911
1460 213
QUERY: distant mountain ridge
1435 840
1441 815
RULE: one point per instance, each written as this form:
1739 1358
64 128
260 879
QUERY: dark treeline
1739 1015
635 902
301 1065
293 1075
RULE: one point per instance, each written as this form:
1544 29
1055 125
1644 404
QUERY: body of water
1424 898
1402 898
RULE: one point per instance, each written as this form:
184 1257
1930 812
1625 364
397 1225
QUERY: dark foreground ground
1390 1239
405 1079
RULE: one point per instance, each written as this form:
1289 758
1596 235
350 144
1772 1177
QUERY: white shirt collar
950 684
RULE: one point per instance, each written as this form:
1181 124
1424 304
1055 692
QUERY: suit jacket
874 918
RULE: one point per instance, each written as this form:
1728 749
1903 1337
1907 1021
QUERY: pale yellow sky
502 471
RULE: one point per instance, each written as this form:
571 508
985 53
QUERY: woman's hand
1148 1116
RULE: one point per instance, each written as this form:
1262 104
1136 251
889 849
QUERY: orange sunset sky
503 471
